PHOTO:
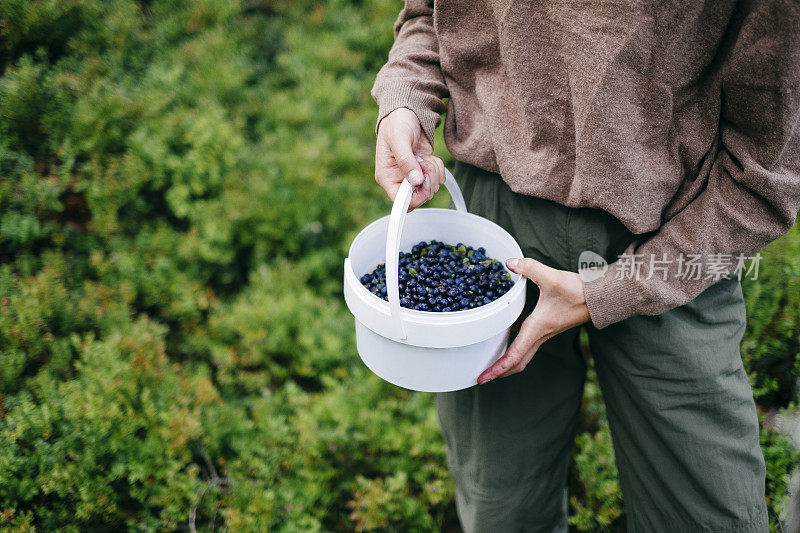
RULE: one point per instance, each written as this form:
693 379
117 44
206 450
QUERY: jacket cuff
403 94
613 297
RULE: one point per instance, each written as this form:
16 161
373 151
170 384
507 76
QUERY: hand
404 152
561 306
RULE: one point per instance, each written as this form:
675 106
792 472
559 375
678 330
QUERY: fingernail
482 380
415 177
512 263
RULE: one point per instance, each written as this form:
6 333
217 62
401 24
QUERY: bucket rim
495 305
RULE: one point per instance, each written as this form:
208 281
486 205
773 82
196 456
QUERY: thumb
530 268
400 146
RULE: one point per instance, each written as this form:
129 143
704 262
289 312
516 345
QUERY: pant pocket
596 231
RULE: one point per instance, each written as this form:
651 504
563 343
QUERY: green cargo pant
679 404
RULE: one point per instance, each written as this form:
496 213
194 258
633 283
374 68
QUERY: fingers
520 366
406 160
425 189
532 269
518 354
433 170
418 196
399 136
403 152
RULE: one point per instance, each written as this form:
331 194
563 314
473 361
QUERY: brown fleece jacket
678 118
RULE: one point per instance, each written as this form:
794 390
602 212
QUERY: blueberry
440 277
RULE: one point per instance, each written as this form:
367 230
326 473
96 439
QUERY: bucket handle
396 220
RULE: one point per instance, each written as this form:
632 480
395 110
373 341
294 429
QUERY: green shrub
595 498
771 347
781 457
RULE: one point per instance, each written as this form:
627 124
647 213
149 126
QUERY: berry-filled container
427 350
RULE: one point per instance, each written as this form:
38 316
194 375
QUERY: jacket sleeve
412 76
753 190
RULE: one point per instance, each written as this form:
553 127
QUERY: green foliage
179 182
595 468
595 495
771 348
781 456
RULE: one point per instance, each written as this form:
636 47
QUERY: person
661 136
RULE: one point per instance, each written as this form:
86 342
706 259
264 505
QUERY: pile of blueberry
441 277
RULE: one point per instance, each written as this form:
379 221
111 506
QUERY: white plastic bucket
424 350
